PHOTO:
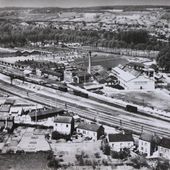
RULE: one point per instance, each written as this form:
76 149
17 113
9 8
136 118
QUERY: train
131 108
81 94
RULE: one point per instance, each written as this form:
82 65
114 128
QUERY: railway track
107 117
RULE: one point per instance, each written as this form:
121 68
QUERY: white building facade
164 148
117 142
134 81
64 124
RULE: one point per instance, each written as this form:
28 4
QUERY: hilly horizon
81 3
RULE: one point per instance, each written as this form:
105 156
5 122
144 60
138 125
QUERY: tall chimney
89 67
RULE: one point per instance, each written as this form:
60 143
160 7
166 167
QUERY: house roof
165 142
136 64
10 101
120 137
5 108
146 137
126 76
88 126
41 112
63 119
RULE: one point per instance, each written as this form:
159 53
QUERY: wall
63 128
145 147
164 152
116 146
87 133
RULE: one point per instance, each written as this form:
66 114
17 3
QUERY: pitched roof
146 137
126 76
165 142
41 112
120 137
63 119
5 108
88 126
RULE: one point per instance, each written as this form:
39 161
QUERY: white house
164 148
64 124
148 144
93 131
134 78
119 141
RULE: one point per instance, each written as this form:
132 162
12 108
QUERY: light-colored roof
5 108
126 76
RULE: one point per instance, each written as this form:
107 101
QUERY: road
92 110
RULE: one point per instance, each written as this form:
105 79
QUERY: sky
78 3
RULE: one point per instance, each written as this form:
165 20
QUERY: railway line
108 116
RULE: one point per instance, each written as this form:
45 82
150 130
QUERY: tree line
15 34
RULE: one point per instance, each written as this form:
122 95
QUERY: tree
163 165
163 59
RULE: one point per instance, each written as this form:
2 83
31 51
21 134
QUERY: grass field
29 161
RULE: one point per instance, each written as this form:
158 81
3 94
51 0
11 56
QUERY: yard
31 161
157 99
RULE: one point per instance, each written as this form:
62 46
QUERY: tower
89 67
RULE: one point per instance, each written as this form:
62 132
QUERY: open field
31 161
157 99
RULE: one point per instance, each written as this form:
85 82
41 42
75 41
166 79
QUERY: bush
163 165
56 135
120 155
54 163
106 150
97 155
139 162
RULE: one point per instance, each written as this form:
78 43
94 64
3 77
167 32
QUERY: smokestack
89 67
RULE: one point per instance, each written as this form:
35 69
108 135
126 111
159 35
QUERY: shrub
54 163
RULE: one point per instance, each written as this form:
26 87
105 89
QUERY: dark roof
146 137
135 64
47 112
63 119
9 101
88 126
120 137
165 142
150 138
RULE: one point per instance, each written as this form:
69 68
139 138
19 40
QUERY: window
84 132
112 145
66 125
141 148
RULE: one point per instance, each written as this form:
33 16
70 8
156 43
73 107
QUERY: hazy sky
78 3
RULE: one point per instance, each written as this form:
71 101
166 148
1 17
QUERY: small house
117 142
164 148
64 124
148 144
93 131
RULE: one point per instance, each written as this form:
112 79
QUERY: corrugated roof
165 142
63 119
120 137
88 126
126 76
